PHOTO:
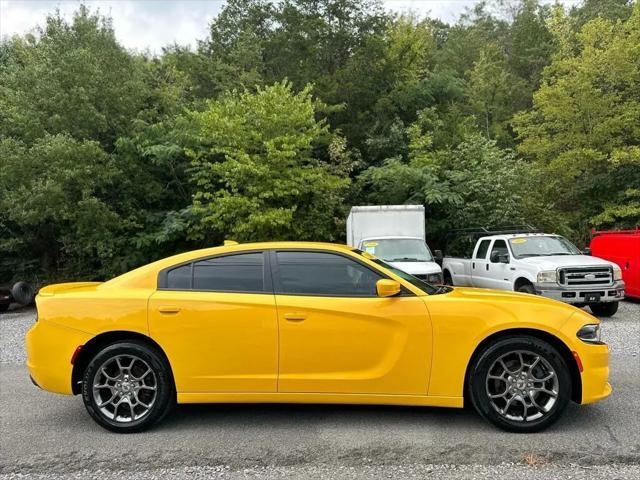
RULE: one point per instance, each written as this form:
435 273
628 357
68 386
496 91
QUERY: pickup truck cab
542 264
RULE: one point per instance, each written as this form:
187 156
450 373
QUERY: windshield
542 246
416 282
398 249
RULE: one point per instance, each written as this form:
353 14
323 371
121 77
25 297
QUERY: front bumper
607 293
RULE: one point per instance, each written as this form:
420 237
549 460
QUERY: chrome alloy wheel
522 386
125 388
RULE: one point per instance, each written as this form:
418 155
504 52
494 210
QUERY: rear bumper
50 348
610 293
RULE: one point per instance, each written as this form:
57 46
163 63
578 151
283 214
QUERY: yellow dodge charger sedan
302 322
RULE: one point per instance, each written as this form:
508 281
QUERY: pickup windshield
398 249
542 246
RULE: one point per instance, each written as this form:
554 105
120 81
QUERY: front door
498 275
338 336
216 320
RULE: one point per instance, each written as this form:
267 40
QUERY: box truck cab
395 234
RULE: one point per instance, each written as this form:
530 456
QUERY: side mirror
587 251
437 255
387 287
504 258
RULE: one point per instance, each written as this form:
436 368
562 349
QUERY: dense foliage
291 111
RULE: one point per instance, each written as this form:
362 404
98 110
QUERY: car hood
559 261
420 268
504 298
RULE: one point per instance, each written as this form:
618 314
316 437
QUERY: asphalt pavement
44 435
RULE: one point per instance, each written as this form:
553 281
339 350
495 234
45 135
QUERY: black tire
478 383
4 307
23 293
607 309
163 402
527 288
447 278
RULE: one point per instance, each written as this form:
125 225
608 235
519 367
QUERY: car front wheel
127 387
520 384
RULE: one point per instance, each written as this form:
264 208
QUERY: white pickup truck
538 263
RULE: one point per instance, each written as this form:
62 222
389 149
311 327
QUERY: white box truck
395 234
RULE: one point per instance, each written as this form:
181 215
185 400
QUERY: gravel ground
47 436
440 472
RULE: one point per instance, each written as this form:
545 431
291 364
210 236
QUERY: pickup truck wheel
527 288
520 384
127 387
607 309
447 278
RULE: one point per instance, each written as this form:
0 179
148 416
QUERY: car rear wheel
520 384
604 309
127 387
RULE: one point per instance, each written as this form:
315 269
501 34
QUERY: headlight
617 273
434 278
547 277
590 333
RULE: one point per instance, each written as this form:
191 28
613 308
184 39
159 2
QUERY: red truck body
621 247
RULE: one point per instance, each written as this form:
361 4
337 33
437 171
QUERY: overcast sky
152 24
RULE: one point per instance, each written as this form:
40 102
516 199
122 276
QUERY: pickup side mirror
587 251
499 257
387 287
437 255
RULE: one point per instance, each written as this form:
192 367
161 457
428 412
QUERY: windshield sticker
519 240
370 244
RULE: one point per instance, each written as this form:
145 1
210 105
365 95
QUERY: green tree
583 132
72 78
258 178
56 206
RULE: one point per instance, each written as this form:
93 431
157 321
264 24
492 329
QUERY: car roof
146 275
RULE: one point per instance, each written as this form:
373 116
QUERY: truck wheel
4 307
604 309
22 293
520 384
447 278
527 288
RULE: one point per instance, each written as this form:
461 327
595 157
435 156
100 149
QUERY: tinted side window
311 273
233 273
482 249
179 278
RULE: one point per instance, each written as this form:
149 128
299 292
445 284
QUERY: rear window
482 249
231 273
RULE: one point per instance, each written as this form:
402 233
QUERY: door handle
168 309
487 267
473 265
295 317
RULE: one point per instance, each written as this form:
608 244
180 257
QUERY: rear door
216 320
338 336
480 264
